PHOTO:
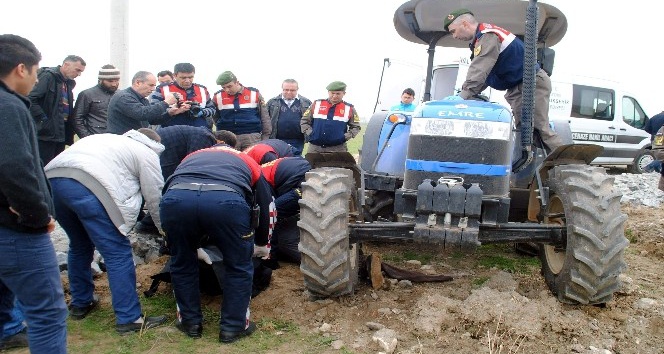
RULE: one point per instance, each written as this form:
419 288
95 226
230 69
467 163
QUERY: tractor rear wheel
585 268
329 262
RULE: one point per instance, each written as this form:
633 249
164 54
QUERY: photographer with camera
194 106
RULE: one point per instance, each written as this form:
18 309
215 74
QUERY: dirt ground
482 310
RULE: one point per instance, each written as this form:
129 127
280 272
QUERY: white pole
120 39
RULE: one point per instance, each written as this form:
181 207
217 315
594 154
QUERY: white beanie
109 72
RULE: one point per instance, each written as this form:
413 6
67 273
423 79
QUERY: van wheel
641 161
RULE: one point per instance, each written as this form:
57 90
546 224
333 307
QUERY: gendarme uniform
327 126
196 93
285 175
497 62
243 113
212 193
269 150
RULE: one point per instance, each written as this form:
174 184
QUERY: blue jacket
507 72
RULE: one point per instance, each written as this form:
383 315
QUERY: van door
630 138
592 115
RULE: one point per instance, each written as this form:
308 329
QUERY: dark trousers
297 144
224 217
49 150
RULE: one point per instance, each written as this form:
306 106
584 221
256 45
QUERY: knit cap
109 72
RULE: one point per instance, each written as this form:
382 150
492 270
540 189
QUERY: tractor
460 173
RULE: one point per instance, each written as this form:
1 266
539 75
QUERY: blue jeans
15 324
224 216
88 225
29 272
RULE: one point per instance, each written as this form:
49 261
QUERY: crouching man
213 192
285 175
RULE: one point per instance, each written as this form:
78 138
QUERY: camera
195 106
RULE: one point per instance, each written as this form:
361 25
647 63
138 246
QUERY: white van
598 112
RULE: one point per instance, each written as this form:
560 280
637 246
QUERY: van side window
633 114
592 102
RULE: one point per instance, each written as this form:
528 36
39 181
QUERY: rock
414 262
374 326
577 348
386 339
405 284
337 344
384 311
627 286
645 303
325 327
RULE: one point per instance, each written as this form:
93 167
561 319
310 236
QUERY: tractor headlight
396 118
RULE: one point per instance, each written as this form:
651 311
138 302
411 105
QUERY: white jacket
117 169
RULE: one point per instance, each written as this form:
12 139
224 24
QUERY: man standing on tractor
497 62
329 123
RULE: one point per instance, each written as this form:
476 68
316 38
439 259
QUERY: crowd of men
213 170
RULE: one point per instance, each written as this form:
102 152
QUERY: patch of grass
478 282
96 334
502 256
423 257
392 257
458 255
277 325
629 234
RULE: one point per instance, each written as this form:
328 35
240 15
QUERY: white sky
315 42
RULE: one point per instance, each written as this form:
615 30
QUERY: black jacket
127 110
45 109
23 184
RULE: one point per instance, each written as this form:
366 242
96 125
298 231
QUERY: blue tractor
459 173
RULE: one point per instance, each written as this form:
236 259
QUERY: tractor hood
421 21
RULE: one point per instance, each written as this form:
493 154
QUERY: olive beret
453 16
225 78
336 86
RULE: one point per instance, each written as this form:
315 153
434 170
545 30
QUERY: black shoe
79 313
148 322
18 340
230 337
192 330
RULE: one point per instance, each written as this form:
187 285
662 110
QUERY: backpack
658 144
658 141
